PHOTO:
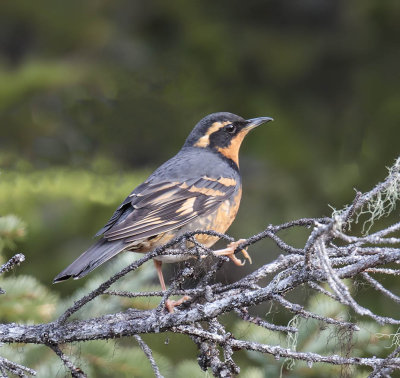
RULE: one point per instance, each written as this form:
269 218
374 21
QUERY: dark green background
96 94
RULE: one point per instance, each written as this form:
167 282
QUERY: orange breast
218 221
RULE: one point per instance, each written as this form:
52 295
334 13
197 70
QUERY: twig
147 351
385 365
299 310
75 371
14 261
243 313
279 352
319 288
10 264
13 368
378 286
394 272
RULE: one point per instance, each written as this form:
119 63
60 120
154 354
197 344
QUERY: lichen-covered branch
13 368
10 264
330 255
147 351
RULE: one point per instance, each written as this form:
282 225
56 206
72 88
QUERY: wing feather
161 207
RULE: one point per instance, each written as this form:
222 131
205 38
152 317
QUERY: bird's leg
229 251
169 304
158 264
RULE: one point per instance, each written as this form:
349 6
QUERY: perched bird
198 189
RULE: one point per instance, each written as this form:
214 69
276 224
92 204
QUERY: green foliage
12 229
64 209
27 300
111 359
34 77
128 80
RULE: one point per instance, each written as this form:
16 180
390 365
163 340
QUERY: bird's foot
170 304
229 251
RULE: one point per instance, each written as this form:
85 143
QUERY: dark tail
96 255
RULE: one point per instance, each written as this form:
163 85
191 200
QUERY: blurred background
96 94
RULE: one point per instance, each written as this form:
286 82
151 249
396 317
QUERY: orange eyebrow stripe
204 141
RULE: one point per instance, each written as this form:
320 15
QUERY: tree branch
147 351
330 255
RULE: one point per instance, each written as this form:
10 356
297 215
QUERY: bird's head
223 133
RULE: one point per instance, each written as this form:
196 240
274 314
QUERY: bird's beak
254 122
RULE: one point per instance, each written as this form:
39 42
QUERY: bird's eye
231 129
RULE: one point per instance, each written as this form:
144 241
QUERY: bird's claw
171 304
229 251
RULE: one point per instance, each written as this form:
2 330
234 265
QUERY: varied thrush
198 189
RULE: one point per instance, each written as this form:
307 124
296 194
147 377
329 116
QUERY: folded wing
155 208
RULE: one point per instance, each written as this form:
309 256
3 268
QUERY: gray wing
157 208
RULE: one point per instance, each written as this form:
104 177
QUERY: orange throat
232 151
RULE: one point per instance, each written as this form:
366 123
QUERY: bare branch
147 351
329 256
75 371
244 314
394 272
384 368
13 368
299 310
279 352
379 287
10 264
